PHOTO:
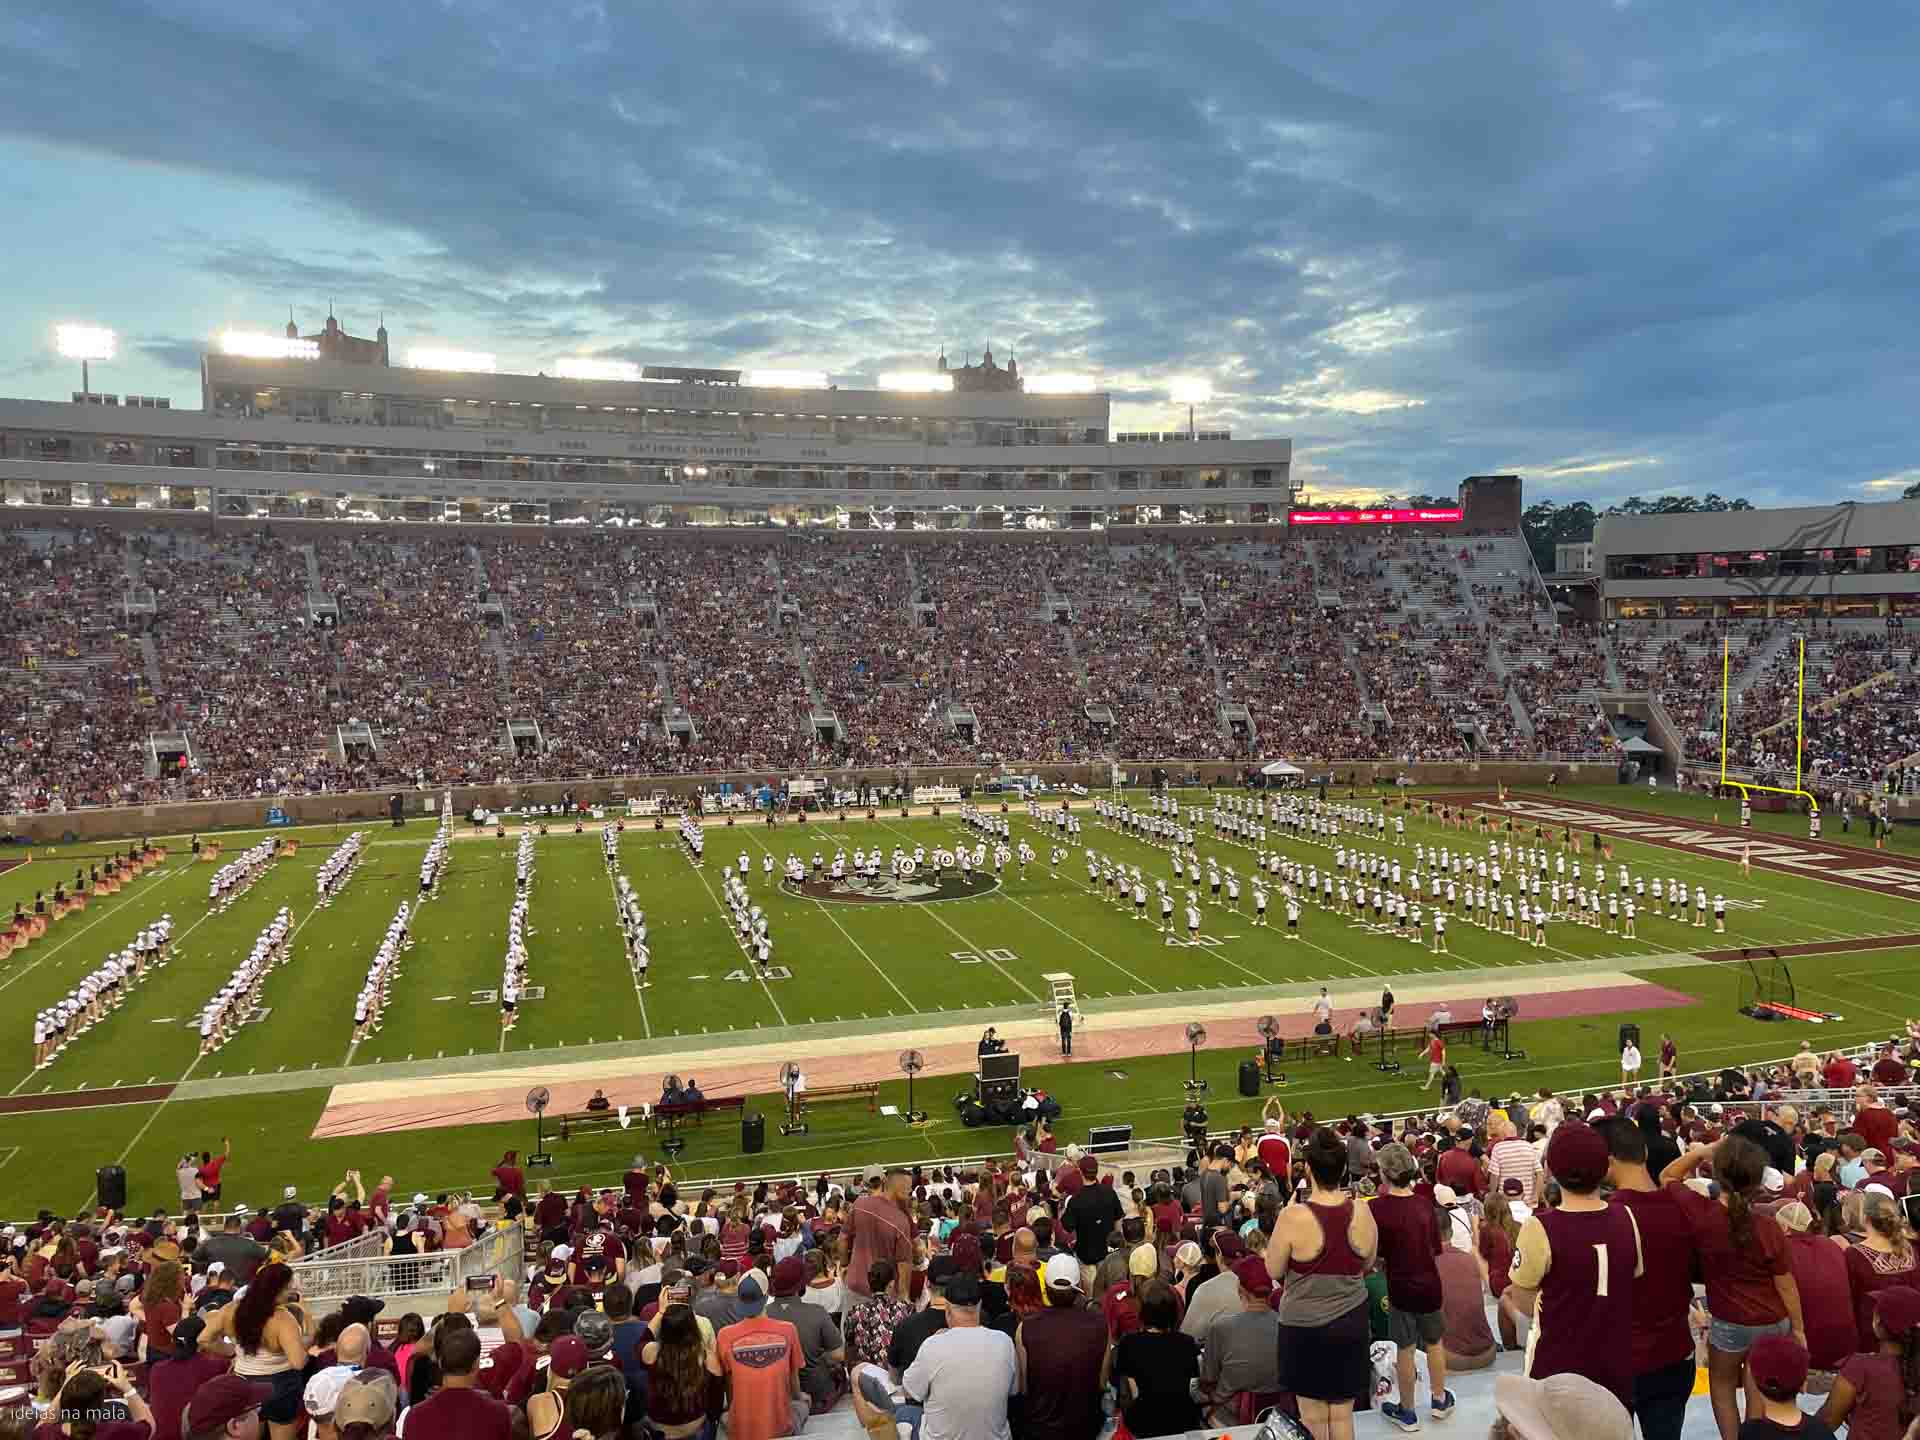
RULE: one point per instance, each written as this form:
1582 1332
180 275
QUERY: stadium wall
361 807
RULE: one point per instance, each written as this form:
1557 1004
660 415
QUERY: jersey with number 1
1588 1291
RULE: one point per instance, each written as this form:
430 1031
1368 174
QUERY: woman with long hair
1493 1247
736 1230
159 1307
1320 1250
597 1404
267 1339
1884 1256
407 1342
679 1392
1747 1268
789 1241
1877 1393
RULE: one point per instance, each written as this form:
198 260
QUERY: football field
434 1097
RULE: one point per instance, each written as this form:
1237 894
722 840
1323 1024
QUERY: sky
1617 248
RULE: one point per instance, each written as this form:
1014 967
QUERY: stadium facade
1845 561
332 430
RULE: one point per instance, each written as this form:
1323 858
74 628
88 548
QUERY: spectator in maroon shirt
459 1409
1885 1256
1663 1364
509 1178
1456 1167
1826 1300
1410 1240
1839 1072
1872 1121
1887 1069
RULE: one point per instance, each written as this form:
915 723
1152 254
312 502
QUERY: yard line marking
1078 941
821 906
11 1151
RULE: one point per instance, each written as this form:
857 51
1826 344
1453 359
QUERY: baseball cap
1143 1261
1444 1195
1577 1154
941 1269
1561 1407
1778 1364
224 1398
121 1331
751 1296
1513 1186
595 1331
1063 1270
218 1267
873 1173
790 1276
1230 1245
1251 1272
964 1289
1898 1307
561 1253
567 1357
360 1309
419 1197
289 1193
364 1404
322 1395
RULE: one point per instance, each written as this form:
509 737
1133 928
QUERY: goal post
1748 787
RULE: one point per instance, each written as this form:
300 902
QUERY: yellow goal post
1748 787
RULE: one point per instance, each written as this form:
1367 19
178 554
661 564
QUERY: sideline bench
663 1117
868 1090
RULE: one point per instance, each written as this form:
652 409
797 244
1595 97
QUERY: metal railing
332 1280
369 1242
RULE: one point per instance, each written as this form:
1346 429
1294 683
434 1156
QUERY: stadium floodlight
787 379
257 345
914 380
433 357
85 343
590 367
1061 385
1191 391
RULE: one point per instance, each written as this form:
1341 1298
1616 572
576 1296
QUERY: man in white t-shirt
964 1374
1629 1064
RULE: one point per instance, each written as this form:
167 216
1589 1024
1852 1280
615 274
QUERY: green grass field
864 972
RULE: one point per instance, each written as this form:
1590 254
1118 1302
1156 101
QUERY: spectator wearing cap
880 1225
720 1305
910 1334
1580 1258
1826 1302
1220 1292
362 1310
226 1405
760 1359
1060 1350
1885 1256
964 1375
1321 1250
1410 1239
459 1409
1777 1365
1744 1260
821 1343
366 1410
1876 1392
175 1375
1561 1407
1663 1348
1119 1302
1240 1354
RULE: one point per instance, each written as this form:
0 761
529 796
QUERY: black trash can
1249 1077
110 1183
753 1133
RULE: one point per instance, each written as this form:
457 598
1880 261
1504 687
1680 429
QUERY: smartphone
479 1282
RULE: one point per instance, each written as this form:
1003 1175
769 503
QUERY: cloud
1607 234
172 352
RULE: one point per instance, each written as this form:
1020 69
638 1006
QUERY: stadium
497 782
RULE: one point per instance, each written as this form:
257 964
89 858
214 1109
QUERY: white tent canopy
1280 768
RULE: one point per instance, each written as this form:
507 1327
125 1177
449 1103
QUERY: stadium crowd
1297 1264
636 654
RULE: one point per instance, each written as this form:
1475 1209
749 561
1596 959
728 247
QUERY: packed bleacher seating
1014 1293
629 654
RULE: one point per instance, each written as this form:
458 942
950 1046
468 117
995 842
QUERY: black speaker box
753 1133
110 1183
